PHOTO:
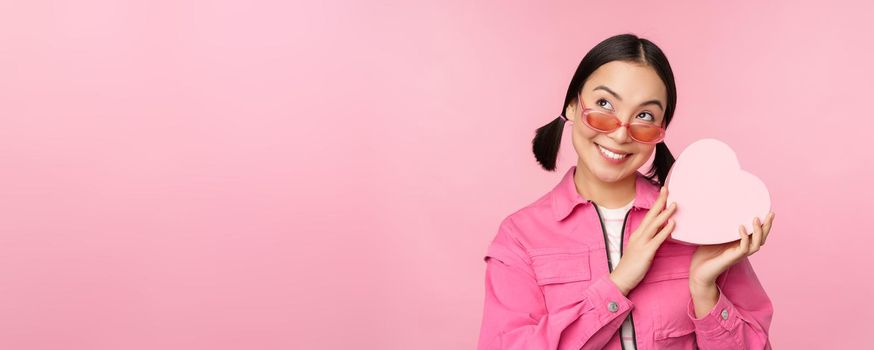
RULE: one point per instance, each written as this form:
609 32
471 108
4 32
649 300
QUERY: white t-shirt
613 222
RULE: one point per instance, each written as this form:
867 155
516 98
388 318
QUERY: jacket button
612 306
724 314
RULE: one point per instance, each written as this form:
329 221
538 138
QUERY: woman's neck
606 194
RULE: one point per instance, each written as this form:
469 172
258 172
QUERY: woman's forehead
631 82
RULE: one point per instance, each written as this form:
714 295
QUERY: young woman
587 266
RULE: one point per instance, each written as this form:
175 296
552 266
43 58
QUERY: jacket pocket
671 261
682 337
560 265
673 329
563 274
668 268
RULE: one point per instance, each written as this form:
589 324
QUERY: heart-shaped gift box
713 194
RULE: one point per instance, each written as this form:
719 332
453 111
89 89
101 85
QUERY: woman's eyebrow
653 102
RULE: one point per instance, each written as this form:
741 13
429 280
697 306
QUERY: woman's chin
609 172
608 175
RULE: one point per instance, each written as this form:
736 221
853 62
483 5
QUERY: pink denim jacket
547 285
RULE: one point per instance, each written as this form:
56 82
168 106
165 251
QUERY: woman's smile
611 155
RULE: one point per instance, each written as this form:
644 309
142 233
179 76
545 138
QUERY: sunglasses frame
585 112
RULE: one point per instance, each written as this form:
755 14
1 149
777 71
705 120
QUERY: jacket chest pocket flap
560 265
671 261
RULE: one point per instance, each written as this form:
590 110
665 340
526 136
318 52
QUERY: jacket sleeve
515 314
742 314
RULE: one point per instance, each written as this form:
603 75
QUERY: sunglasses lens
645 133
602 121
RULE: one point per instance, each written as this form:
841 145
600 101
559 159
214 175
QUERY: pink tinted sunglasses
607 122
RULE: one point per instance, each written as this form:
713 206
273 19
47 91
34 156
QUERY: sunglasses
607 122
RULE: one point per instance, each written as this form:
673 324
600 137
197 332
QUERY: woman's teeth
612 155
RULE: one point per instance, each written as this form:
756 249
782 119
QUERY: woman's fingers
757 237
767 227
647 222
665 232
656 207
660 220
744 245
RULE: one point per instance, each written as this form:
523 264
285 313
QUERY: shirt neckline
618 211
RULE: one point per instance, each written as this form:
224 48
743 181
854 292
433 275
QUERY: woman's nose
620 135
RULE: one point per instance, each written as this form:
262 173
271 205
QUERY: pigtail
661 164
547 140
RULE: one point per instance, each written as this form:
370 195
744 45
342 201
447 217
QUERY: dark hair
622 47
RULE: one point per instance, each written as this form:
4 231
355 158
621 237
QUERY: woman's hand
709 261
643 243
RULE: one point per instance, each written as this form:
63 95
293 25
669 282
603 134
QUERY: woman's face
627 90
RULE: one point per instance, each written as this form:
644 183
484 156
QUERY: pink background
265 175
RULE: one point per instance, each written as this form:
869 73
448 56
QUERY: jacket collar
565 196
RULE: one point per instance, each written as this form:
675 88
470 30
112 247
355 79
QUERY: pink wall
259 175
